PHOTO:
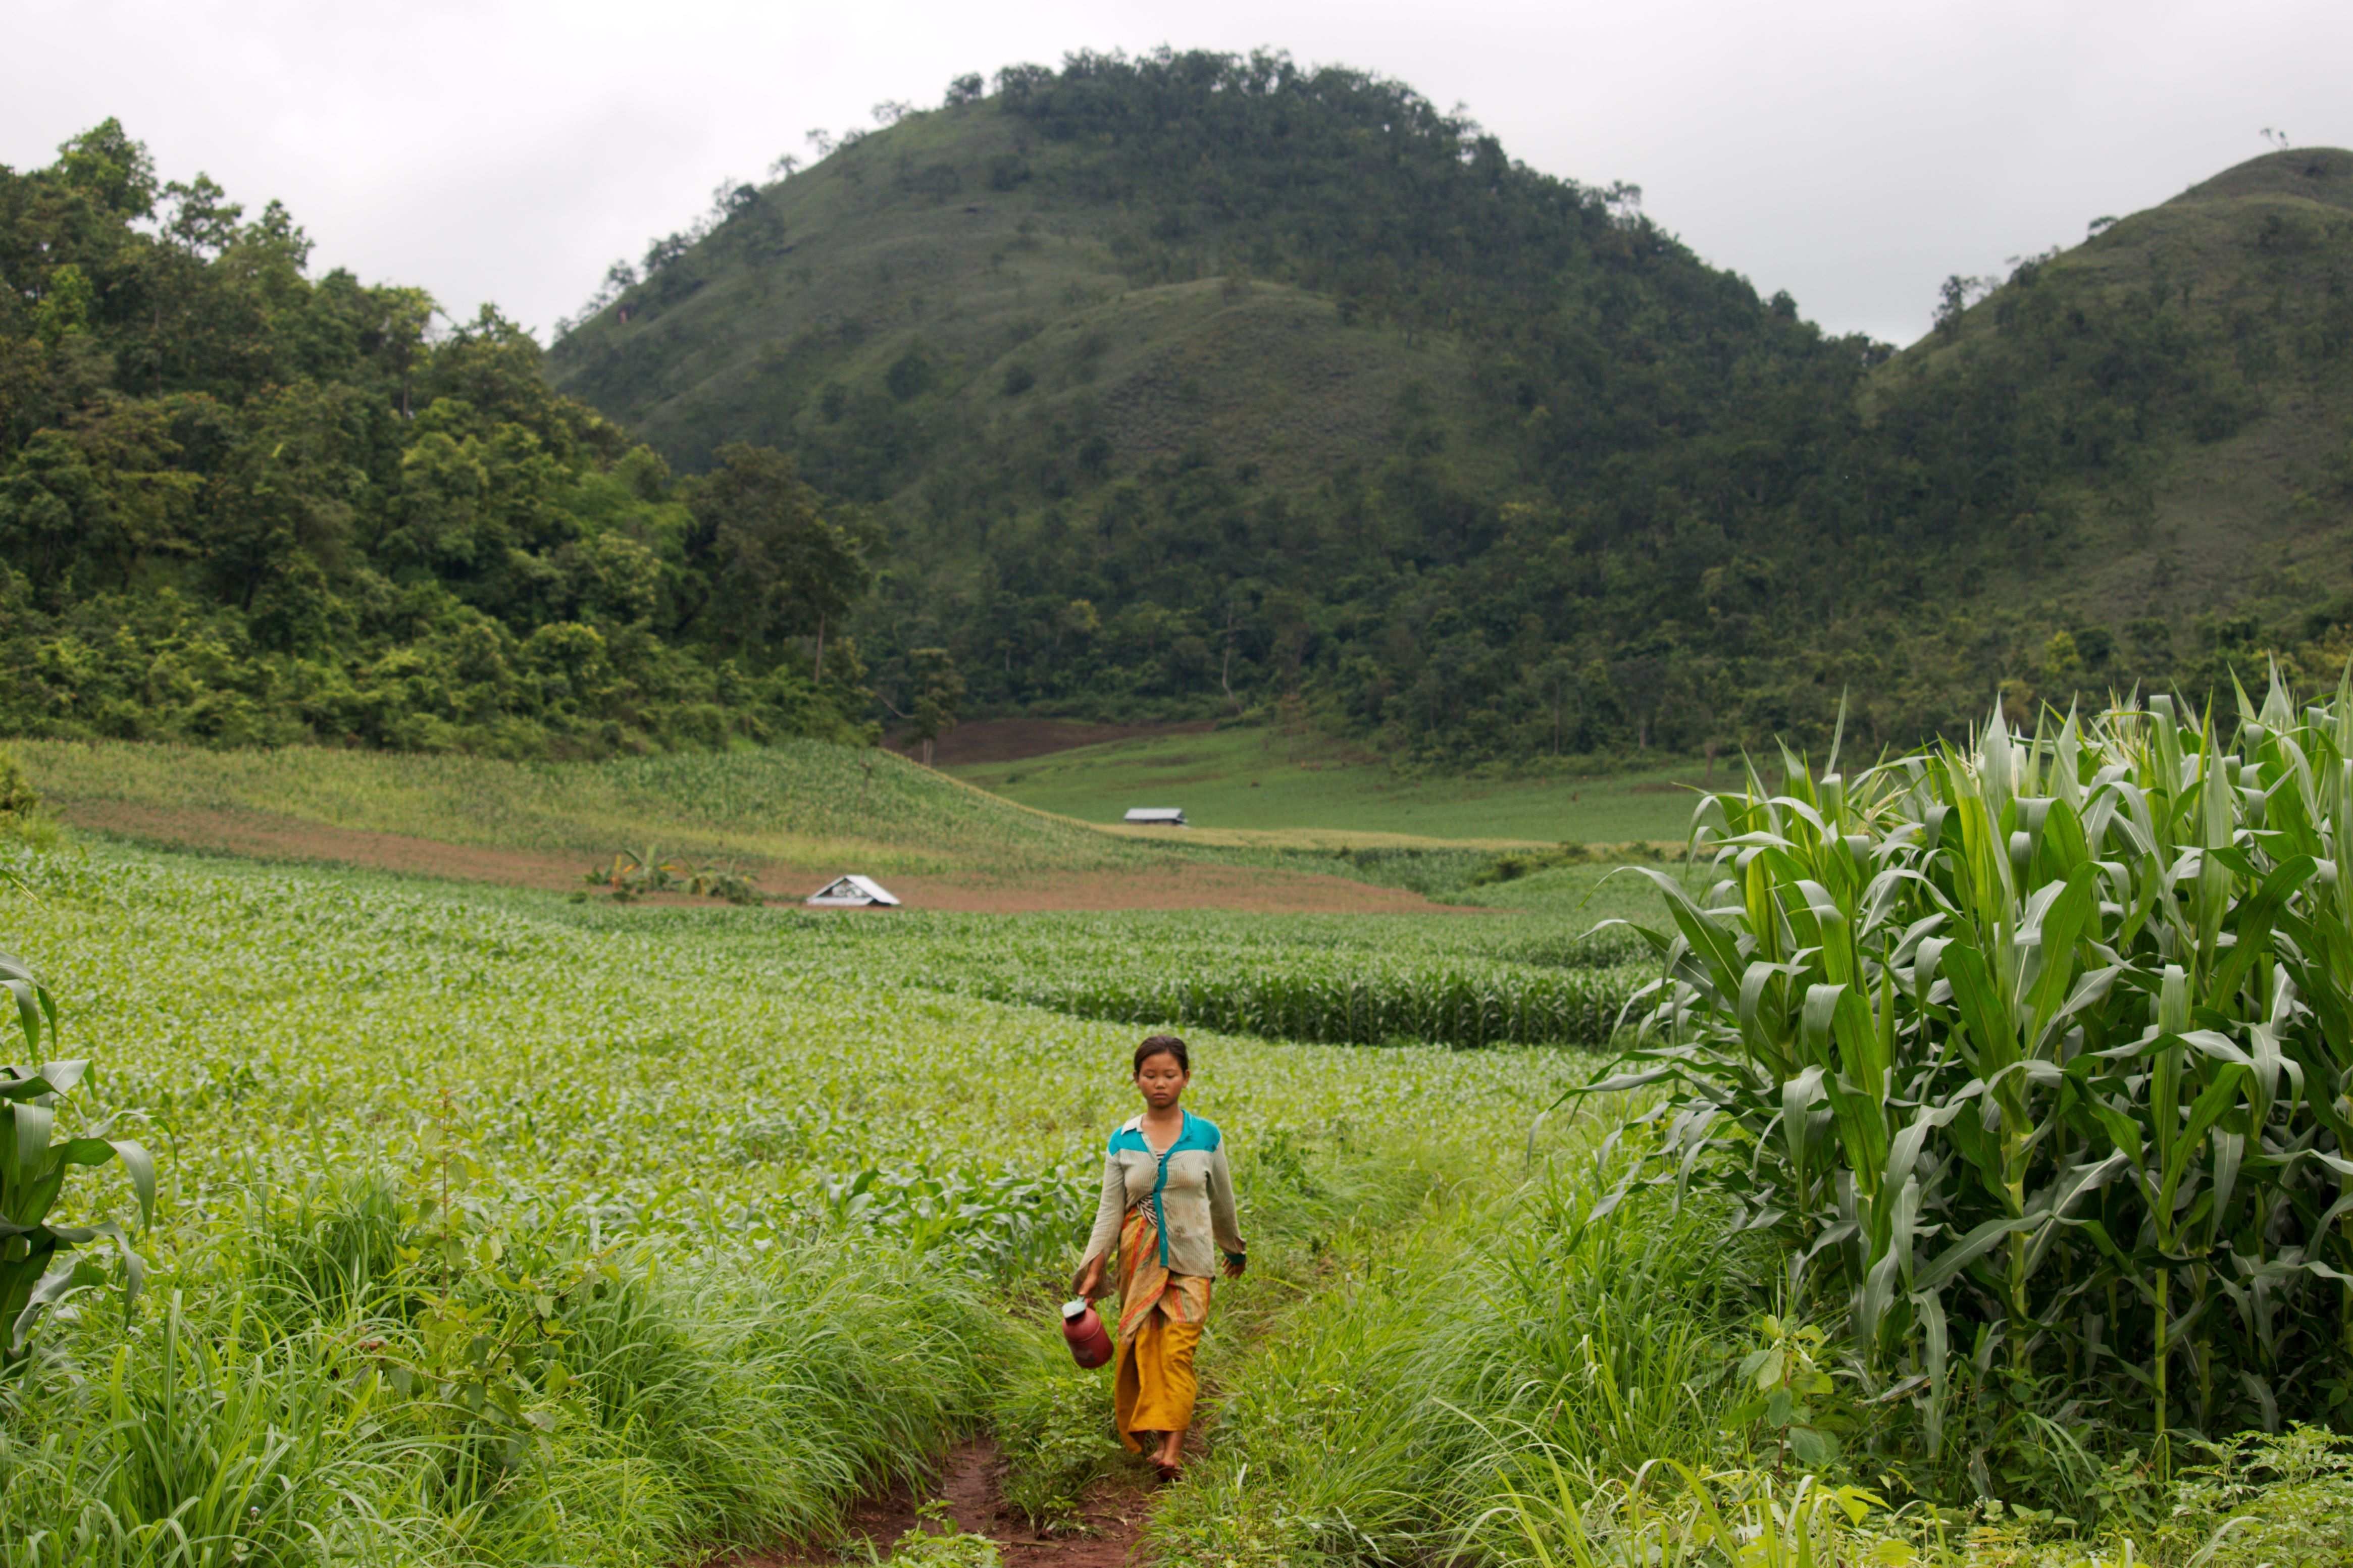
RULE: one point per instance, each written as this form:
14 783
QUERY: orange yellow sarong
1160 1319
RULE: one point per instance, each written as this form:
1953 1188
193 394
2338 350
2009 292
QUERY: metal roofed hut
852 894
1158 816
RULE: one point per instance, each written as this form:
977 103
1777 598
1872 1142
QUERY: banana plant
632 876
33 1167
2039 1046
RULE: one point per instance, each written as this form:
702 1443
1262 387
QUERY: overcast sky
1854 155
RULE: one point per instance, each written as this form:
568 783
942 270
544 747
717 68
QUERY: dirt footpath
1175 886
1111 1520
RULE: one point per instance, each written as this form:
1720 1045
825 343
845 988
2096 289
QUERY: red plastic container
1089 1341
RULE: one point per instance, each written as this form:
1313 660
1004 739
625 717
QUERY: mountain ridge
1167 424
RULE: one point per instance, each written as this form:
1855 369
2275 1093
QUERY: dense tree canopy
243 506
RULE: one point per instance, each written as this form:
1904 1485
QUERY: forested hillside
1193 383
242 506
1185 386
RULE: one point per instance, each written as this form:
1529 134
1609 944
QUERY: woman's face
1161 1079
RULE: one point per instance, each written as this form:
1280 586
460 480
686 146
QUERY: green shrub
22 818
938 1543
1512 866
18 798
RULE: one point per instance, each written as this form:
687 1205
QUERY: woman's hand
1235 1263
1089 1283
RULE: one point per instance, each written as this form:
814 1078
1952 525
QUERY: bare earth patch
1163 888
263 835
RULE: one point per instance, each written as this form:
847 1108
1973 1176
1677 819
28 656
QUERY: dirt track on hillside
1011 740
266 836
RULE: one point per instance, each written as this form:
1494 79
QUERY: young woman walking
1168 1205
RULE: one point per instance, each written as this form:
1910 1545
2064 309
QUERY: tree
1557 684
1953 297
145 501
398 332
765 559
910 375
287 490
106 166
204 221
938 687
49 502
1642 683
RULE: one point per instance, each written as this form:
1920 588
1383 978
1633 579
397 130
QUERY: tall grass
2032 1058
1385 1417
260 1420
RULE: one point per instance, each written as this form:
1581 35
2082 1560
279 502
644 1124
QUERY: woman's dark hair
1163 1045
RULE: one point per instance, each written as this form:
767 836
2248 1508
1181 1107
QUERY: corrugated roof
852 892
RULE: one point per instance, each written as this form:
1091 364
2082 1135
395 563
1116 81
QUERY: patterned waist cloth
1160 1319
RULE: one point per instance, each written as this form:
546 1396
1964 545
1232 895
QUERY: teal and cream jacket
1188 1192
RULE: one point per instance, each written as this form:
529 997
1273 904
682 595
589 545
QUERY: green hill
1192 382
2162 412
924 296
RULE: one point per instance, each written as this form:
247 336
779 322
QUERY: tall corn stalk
2042 1048
33 1168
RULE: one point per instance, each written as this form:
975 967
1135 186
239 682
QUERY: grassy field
496 1227
578 1233
493 1229
811 810
800 804
1236 783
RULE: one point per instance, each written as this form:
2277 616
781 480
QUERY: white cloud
1852 153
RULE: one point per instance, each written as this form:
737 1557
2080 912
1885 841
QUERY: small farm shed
853 893
1157 815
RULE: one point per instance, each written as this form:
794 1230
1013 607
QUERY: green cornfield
1462 1006
2035 1057
1327 980
493 1228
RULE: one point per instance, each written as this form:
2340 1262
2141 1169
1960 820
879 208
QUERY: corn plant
2035 1055
33 1171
